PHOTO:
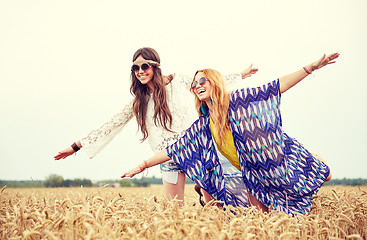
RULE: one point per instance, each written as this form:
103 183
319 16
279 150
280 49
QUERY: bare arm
159 158
288 81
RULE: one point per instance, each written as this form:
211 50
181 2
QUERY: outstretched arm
288 81
159 158
100 137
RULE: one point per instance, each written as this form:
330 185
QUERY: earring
203 109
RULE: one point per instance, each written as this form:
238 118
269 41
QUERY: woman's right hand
64 153
133 172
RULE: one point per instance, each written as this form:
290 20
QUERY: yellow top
228 150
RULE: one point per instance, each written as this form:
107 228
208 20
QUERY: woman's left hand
133 172
324 60
248 72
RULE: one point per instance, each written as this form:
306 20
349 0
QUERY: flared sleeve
194 153
277 169
97 139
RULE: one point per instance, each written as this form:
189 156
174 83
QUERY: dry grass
143 213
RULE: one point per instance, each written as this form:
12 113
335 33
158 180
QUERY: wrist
311 67
308 69
75 147
145 166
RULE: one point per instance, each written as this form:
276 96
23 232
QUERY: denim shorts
170 166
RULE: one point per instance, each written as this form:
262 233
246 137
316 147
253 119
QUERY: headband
148 61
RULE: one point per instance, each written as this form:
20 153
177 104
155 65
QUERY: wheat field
143 213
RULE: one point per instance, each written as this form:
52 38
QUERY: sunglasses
144 67
201 81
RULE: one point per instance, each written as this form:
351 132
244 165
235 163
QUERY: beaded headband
148 61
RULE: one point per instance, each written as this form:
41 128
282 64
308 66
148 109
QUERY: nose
140 70
198 84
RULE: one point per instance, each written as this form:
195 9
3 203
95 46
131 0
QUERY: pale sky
65 67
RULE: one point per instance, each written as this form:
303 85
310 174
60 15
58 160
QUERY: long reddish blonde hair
220 101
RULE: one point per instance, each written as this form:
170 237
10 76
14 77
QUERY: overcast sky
65 66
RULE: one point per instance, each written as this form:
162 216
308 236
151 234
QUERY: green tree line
54 180
347 182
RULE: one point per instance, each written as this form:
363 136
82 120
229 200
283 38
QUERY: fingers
132 173
63 154
330 59
59 156
333 56
251 70
325 60
127 174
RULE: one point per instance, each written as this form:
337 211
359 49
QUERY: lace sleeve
183 79
99 138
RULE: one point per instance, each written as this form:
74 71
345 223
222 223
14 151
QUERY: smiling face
144 76
202 90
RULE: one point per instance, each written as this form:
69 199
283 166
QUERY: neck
211 108
150 87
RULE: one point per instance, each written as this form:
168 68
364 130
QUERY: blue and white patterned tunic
276 168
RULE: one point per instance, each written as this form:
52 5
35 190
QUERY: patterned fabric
276 169
195 154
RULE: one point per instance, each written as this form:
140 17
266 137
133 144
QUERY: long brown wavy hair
220 101
162 114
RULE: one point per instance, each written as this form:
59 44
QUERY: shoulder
201 123
262 88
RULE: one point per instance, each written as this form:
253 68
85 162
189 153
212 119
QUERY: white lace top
181 104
